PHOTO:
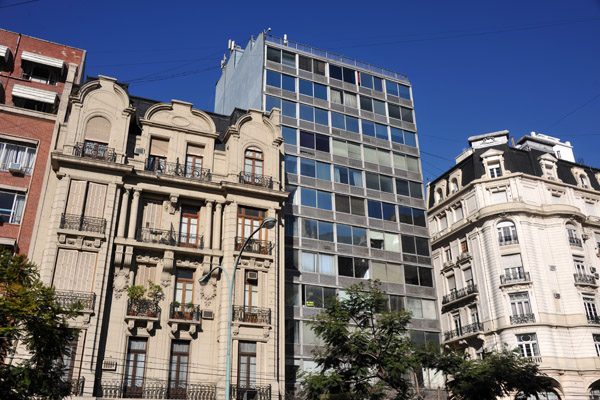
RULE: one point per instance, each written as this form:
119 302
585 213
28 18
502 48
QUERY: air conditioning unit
557 295
597 276
585 236
139 150
15 167
553 268
593 269
207 314
252 275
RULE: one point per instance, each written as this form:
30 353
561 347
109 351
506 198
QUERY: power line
19 4
574 111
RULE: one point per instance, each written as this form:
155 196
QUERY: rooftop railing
335 57
459 294
96 151
82 223
252 314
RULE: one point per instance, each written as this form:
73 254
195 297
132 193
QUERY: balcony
66 299
241 392
77 386
460 294
156 389
185 312
254 246
82 223
585 280
522 319
575 241
95 151
256 180
518 276
463 331
535 359
252 315
508 240
169 238
142 308
593 319
178 169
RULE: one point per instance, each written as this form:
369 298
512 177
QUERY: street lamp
268 223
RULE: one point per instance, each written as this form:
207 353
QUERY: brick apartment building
34 75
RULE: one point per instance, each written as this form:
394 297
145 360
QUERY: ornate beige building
516 246
153 195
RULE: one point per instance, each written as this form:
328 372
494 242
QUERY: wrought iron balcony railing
96 151
522 319
584 278
508 240
187 312
518 276
593 319
178 169
82 223
535 359
242 392
156 389
459 294
252 314
575 241
66 298
169 237
77 386
256 180
464 330
142 308
254 246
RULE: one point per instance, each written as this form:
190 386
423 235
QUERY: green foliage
31 319
497 374
155 292
366 352
136 292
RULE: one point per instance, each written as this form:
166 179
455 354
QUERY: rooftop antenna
224 61
285 41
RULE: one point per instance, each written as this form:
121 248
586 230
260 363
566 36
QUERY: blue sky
475 66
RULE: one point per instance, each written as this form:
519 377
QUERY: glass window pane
308 197
273 55
384 158
309 228
323 171
291 164
378 271
378 84
407 114
336 96
394 111
319 67
402 187
354 151
288 58
405 215
410 139
324 200
422 246
397 135
376 240
305 87
368 128
326 264
273 79
288 83
289 135
321 116
359 236
342 203
404 92
357 205
366 103
308 262
381 131
344 234
322 143
340 148
272 102
408 244
307 139
379 107
412 164
338 120
345 266
391 88
340 174
399 161
355 177
372 180
349 76
416 190
366 80
395 273
305 63
389 212
392 242
374 208
361 268
429 311
414 306
426 276
320 91
313 296
386 183
371 155
335 72
419 217
326 231
306 113
352 124
307 167
288 108
350 100
411 275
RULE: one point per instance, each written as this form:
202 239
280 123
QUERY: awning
4 53
8 241
49 61
27 92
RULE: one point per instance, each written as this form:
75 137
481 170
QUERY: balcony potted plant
135 293
176 309
189 310
155 294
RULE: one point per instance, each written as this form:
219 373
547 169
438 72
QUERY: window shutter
97 129
194 150
159 147
76 197
152 214
94 205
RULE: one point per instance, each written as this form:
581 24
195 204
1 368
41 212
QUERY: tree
496 374
366 353
31 319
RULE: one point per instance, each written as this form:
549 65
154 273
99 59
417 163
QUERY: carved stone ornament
189 262
208 291
266 332
235 330
120 282
147 259
253 263
62 238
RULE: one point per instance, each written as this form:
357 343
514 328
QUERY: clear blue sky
475 66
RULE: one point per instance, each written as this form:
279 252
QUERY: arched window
574 240
595 391
439 195
454 185
253 167
97 136
507 233
583 181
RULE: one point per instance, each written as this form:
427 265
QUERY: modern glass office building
356 208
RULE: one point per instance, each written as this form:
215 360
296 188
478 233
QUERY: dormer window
494 170
583 181
439 195
580 175
453 185
493 161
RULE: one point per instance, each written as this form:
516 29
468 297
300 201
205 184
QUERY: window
289 135
134 368
159 149
11 207
499 196
292 332
347 176
453 185
307 167
312 89
349 205
311 65
448 254
314 141
346 122
393 273
395 89
369 81
421 308
456 321
409 188
188 233
178 369
247 369
583 181
316 262
34 105
281 81
507 233
317 296
420 276
597 345
316 198
321 230
312 114
184 290
253 167
16 157
494 170
464 247
281 57
395 303
291 164
572 234
379 210
40 73
513 268
415 245
528 345
353 267
291 226
519 305
87 199
250 297
591 312
288 108
67 361
323 171
474 315
411 216
248 220
384 241
292 295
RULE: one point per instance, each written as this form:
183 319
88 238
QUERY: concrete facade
356 209
516 247
30 69
143 193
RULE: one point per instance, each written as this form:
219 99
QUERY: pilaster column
123 216
216 238
135 205
207 225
